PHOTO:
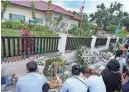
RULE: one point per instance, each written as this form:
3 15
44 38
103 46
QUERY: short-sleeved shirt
96 84
31 82
74 85
122 62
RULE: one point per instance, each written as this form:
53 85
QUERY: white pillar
108 42
93 42
62 43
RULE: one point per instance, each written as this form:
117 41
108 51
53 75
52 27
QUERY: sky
90 5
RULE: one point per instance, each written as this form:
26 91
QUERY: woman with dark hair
75 83
120 58
93 79
111 76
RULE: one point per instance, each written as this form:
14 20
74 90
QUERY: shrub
39 28
13 24
112 28
123 33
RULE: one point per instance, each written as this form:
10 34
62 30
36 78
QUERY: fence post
62 43
108 42
93 42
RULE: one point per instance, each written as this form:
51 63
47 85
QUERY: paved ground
10 89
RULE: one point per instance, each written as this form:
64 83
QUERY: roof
43 6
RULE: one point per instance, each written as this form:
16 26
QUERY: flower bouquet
41 64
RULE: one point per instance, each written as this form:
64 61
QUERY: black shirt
112 80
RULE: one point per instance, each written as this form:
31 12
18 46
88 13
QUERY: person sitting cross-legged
32 82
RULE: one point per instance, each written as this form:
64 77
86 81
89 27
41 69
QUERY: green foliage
105 16
49 62
42 31
59 59
13 24
39 28
48 16
85 29
112 28
59 19
123 33
4 5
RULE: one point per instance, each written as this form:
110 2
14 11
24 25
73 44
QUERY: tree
59 20
86 26
33 12
48 13
4 5
104 16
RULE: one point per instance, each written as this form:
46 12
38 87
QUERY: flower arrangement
40 61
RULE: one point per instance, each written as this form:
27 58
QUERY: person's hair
31 66
126 46
113 65
85 70
76 69
118 53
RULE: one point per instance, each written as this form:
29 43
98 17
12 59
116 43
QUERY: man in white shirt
32 82
75 83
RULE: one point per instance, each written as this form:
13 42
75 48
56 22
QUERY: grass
10 32
16 32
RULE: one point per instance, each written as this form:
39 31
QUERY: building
21 10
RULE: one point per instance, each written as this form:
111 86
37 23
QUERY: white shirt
122 62
96 84
74 85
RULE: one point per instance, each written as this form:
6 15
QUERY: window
17 17
73 26
31 22
39 20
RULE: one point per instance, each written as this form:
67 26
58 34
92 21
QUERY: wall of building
15 9
72 21
67 19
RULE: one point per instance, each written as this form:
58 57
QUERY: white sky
93 3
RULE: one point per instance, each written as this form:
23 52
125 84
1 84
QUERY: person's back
96 84
122 62
111 80
74 85
31 82
111 76
119 57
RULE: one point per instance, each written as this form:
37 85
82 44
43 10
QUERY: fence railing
73 43
100 42
16 46
112 40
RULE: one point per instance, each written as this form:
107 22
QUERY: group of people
114 78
